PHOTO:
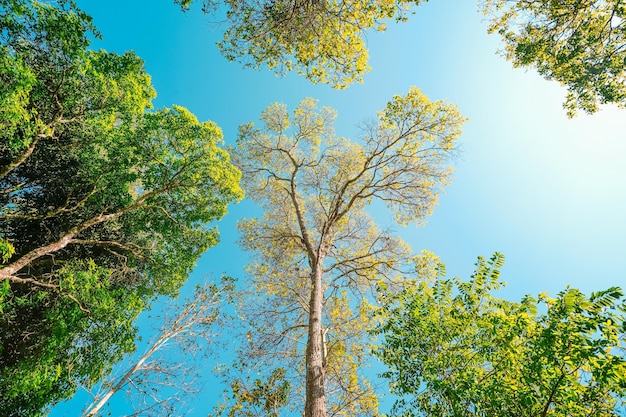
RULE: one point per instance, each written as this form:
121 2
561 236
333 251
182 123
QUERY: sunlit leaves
323 40
416 137
580 44
45 66
6 251
455 349
255 397
16 81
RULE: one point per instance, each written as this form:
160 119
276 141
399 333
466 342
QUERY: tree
453 349
580 44
317 253
103 205
324 40
189 330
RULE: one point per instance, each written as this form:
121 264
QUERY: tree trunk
100 402
94 408
315 405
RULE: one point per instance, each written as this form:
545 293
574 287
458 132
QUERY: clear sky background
547 191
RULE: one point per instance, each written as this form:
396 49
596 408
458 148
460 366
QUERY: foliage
453 349
6 251
580 44
321 39
103 205
48 341
317 254
258 398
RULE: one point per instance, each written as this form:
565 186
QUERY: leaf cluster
256 397
580 44
49 343
322 40
453 349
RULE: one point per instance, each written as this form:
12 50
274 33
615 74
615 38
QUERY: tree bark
315 405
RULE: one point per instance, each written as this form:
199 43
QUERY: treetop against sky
528 182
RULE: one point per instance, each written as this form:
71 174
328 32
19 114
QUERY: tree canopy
453 349
106 204
580 44
317 254
323 40
103 204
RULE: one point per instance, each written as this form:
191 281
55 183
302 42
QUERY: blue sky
547 191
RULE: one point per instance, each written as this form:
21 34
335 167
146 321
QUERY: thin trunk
315 405
94 409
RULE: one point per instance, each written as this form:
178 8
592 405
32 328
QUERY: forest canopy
322 40
104 204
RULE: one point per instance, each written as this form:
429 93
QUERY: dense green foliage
323 40
453 349
103 205
580 44
49 343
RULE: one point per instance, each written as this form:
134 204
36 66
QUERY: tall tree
324 40
103 205
453 349
317 253
580 44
